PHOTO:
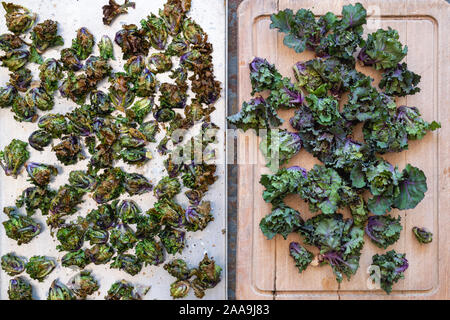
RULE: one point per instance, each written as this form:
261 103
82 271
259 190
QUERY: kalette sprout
194 33
83 284
77 258
20 228
20 289
282 220
21 79
55 124
45 35
69 151
128 263
50 72
41 174
13 157
301 256
101 102
147 226
173 240
198 217
423 235
82 181
70 237
132 41
122 290
40 99
150 252
83 44
18 19
120 91
382 49
12 264
40 139
208 276
159 63
34 198
167 188
39 267
96 69
180 289
134 66
173 14
59 291
9 41
112 10
15 59
7 96
106 48
146 84
123 238
110 186
383 230
156 31
22 111
391 266
128 211
168 212
100 253
70 60
178 268
137 184
96 236
104 217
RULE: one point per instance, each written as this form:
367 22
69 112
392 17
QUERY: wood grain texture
264 268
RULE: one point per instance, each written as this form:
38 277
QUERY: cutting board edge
245 288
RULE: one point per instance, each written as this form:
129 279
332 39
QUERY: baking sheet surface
71 15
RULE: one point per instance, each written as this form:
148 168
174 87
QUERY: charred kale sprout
39 267
12 264
128 263
45 35
150 252
23 229
59 291
77 258
122 290
83 44
206 276
18 19
13 157
20 289
83 284
112 10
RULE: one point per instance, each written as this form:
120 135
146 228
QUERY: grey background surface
232 169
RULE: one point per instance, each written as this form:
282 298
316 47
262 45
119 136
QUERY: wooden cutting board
264 268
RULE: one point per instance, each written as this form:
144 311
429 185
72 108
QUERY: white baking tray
71 15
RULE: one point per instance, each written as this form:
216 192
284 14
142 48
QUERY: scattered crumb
315 262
